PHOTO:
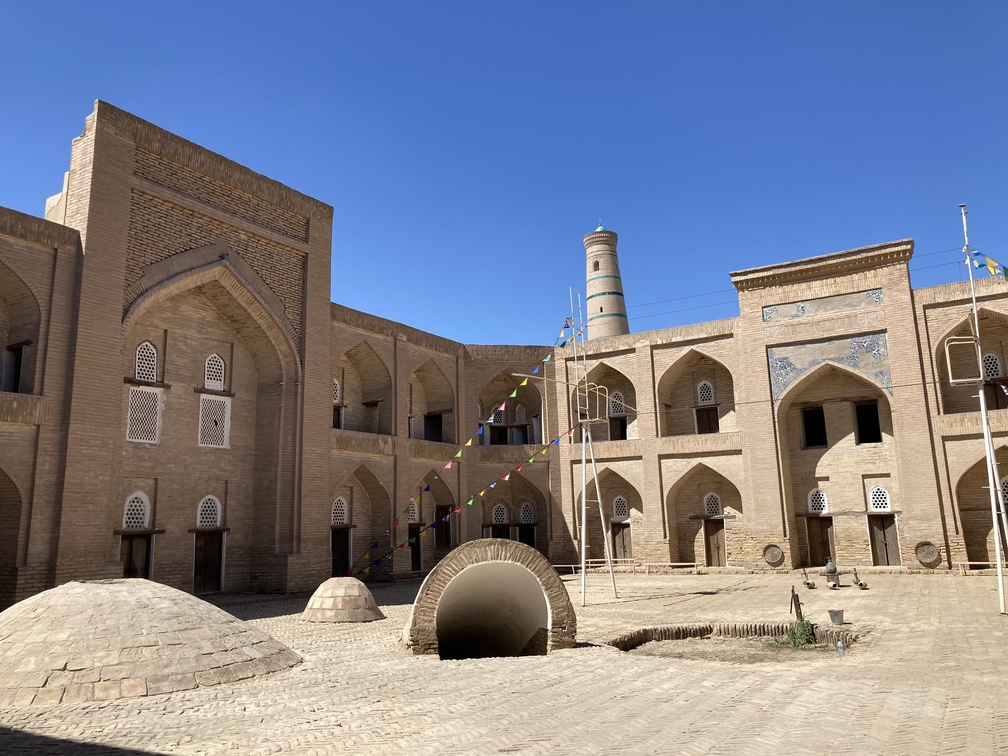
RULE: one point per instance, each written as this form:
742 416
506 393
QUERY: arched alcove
520 422
684 409
615 401
431 404
705 516
20 319
10 524
973 500
963 397
613 487
365 390
369 510
491 597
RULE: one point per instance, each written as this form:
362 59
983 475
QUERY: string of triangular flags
993 267
434 525
561 340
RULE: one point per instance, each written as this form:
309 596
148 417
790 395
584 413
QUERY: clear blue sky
467 147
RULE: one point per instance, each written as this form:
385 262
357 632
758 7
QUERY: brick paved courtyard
929 678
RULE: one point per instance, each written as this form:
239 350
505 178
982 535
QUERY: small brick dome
342 599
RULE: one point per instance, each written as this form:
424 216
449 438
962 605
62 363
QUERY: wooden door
884 544
715 537
820 540
621 540
339 542
500 531
617 428
136 556
415 548
207 562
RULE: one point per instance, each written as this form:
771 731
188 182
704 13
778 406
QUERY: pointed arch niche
993 333
364 400
516 495
696 395
618 496
973 501
367 506
706 519
620 421
431 404
521 420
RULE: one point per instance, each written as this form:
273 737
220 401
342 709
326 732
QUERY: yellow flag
469 442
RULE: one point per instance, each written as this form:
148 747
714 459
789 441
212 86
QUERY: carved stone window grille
521 416
497 418
213 373
146 362
143 420
414 512
215 422
817 501
616 406
620 508
208 514
712 505
500 515
991 366
878 500
705 393
339 511
1004 490
336 392
136 514
527 515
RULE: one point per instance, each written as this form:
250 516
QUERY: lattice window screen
146 362
616 406
521 415
213 373
991 366
136 513
705 393
339 511
208 515
817 501
712 505
215 422
878 500
527 513
143 421
500 515
497 417
414 512
335 391
620 508
1004 490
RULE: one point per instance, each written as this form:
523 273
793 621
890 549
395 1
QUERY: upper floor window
621 510
813 427
705 393
595 265
213 373
616 406
143 419
500 515
868 430
146 362
215 422
414 511
527 515
337 407
208 514
991 366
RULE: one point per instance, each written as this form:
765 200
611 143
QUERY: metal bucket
836 616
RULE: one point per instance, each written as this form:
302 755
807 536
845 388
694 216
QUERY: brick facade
156 240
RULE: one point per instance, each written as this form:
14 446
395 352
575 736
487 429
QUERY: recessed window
621 510
878 500
813 427
208 514
527 516
595 265
213 373
146 363
500 515
339 511
337 409
705 393
869 431
215 422
414 511
13 359
143 421
817 501
136 514
707 419
712 505
991 366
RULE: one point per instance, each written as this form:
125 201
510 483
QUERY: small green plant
800 634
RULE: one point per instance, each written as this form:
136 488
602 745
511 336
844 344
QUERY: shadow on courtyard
15 742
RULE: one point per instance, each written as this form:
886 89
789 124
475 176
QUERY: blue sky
467 147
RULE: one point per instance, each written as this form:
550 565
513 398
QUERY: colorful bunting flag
468 443
448 466
506 477
513 394
426 488
458 454
536 371
468 502
524 382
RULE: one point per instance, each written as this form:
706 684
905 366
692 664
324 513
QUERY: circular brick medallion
928 554
773 555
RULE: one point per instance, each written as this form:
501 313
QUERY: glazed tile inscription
822 306
867 354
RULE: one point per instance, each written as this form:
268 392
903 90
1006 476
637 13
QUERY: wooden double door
821 544
884 543
622 544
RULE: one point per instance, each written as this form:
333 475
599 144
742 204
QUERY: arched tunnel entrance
492 609
491 597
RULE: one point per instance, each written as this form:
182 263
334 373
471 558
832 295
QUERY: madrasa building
181 401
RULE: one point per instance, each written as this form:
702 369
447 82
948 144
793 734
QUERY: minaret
605 305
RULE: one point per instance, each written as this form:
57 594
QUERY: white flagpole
992 473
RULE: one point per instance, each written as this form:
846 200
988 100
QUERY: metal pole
606 532
992 473
584 507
